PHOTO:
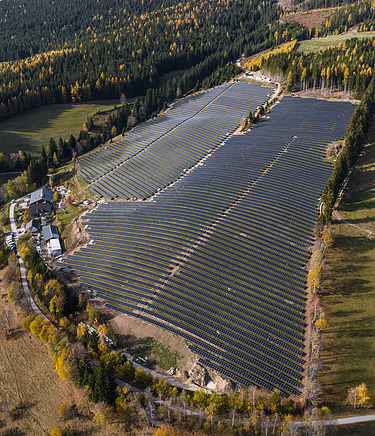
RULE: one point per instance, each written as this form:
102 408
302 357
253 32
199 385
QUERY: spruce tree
84 371
103 384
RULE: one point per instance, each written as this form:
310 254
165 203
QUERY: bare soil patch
327 94
309 19
138 335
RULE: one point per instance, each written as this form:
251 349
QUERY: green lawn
5 177
348 296
164 356
33 129
318 44
66 217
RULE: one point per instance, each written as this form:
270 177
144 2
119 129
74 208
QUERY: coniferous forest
59 52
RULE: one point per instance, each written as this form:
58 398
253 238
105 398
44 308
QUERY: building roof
41 194
41 207
50 232
54 244
32 223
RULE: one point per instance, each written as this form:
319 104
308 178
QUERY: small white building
54 247
33 226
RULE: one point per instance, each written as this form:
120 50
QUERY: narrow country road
25 286
342 421
353 420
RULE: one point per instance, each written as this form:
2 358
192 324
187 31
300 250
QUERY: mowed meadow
320 44
32 130
348 296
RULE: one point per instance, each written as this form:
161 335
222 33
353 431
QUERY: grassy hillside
349 289
32 130
28 376
319 44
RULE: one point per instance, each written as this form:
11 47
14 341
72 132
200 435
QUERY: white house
54 247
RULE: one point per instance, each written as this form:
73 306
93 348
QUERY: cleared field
349 289
218 257
309 19
255 82
32 130
320 44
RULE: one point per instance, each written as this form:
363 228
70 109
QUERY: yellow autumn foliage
256 63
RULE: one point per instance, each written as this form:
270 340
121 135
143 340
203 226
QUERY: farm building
41 196
52 239
50 232
40 201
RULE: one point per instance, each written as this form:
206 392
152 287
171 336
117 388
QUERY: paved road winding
23 271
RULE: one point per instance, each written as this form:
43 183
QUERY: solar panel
218 256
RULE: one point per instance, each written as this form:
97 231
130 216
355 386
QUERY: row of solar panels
220 254
170 146
99 162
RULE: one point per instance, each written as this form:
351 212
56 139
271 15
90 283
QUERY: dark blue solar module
155 154
219 256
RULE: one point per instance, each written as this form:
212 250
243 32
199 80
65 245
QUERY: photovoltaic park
219 255
156 153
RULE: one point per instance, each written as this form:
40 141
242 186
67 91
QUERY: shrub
27 321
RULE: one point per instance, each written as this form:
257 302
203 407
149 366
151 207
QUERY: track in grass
219 257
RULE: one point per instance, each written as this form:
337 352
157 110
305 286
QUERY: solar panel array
219 257
155 154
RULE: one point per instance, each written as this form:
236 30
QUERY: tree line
348 67
357 129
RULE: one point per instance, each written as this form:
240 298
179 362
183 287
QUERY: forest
346 67
344 18
116 51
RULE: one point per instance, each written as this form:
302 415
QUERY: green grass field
5 177
32 130
164 356
319 44
348 295
363 429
